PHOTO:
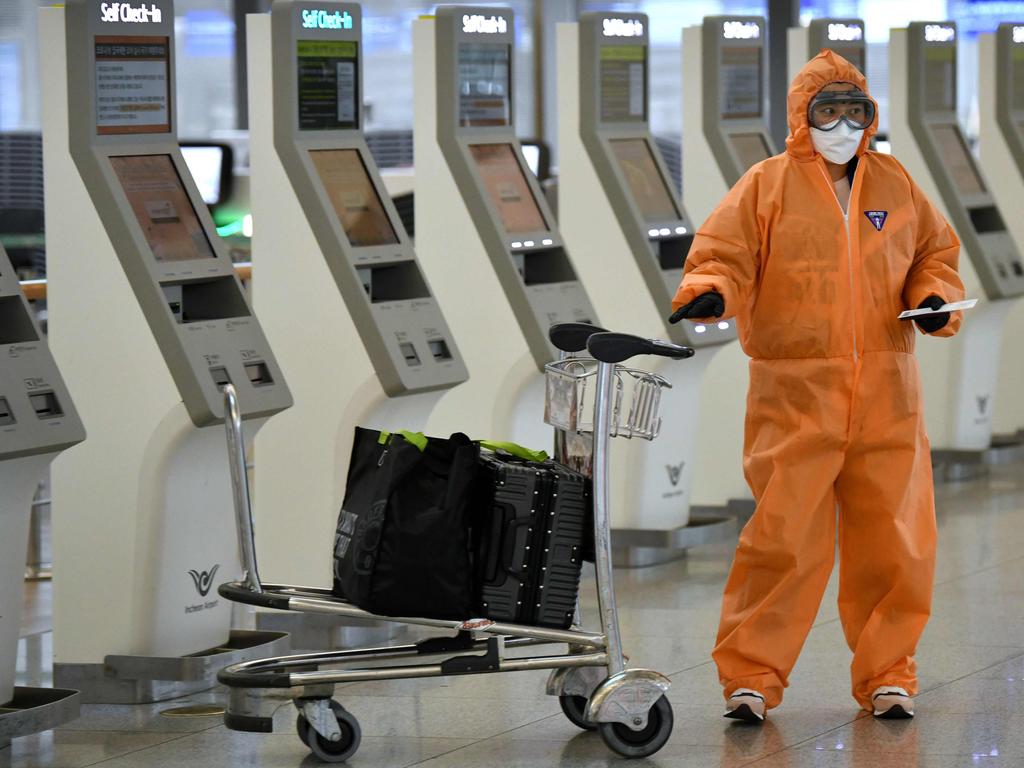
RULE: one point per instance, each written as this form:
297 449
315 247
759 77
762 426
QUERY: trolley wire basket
571 387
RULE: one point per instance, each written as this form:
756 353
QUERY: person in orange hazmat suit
816 251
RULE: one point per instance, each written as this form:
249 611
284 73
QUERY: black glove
710 304
932 323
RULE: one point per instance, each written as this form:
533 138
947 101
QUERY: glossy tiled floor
970 712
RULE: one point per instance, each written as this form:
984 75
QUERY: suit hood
827 67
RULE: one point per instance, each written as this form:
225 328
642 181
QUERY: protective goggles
829 108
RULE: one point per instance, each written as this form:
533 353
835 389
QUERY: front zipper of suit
849 250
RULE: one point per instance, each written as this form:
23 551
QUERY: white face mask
838 145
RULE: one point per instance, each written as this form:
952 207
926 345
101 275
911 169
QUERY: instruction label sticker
132 85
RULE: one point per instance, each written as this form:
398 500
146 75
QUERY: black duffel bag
402 546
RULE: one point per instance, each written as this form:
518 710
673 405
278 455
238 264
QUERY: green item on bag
514 449
414 438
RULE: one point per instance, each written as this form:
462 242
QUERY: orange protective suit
834 415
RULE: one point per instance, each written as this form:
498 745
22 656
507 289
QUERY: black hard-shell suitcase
532 518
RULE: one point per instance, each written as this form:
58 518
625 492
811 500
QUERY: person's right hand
710 304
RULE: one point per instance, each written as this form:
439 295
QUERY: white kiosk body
1001 128
484 231
148 321
844 36
327 239
725 131
37 422
927 139
619 213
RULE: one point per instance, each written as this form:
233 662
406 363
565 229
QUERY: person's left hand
932 323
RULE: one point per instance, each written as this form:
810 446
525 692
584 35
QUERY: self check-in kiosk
1001 145
621 216
327 238
844 36
484 231
926 137
37 421
725 120
148 322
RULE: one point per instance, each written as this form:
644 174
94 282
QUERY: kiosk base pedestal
640 548
36 709
149 679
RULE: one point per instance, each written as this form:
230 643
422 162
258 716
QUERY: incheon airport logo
321 19
475 24
126 12
622 28
204 580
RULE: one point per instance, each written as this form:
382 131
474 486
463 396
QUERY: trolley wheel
332 751
574 707
625 741
302 728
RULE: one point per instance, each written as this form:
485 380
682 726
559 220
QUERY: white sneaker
892 703
746 705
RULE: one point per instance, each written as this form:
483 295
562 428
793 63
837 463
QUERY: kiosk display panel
940 78
484 84
623 83
961 165
1017 76
645 181
162 207
132 84
354 197
328 84
507 188
750 148
741 81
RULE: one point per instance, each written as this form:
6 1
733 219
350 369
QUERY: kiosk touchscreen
725 119
1001 144
622 216
484 230
327 237
927 139
37 422
844 36
149 323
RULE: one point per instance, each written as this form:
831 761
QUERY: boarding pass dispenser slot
15 325
546 266
672 252
6 415
394 282
217 299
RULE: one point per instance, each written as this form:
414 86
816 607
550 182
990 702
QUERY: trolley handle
240 488
572 337
616 347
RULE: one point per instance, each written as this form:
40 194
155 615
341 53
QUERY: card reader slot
550 265
220 376
672 252
986 219
439 349
259 374
394 282
6 415
16 326
45 405
216 299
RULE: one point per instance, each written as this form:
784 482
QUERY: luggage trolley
587 396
